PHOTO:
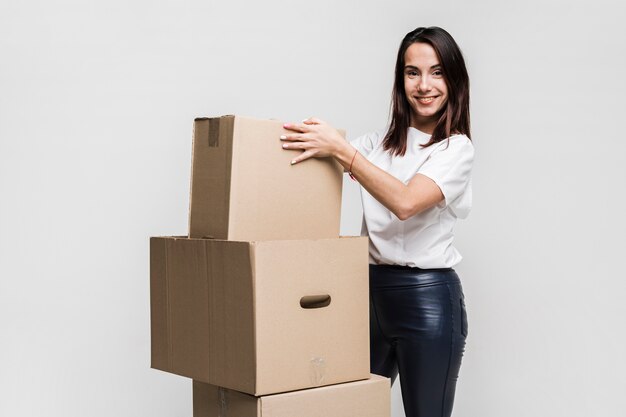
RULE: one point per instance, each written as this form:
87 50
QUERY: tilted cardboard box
260 317
243 186
367 398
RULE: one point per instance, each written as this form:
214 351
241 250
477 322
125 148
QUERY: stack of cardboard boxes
263 304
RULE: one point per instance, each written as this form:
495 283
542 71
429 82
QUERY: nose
424 84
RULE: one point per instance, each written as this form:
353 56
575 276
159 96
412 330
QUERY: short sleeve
365 144
450 167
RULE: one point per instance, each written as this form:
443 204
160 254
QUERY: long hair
454 117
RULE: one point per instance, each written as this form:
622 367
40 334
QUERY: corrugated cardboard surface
159 321
211 164
202 309
229 313
367 398
244 187
326 345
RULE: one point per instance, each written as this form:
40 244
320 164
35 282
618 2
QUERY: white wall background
96 104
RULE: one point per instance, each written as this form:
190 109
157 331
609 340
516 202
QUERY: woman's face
424 85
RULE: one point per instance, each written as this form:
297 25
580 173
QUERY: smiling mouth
426 99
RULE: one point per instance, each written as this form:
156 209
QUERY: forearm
384 187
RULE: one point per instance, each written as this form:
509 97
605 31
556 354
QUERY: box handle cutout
315 301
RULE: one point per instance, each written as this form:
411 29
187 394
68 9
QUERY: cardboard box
243 186
368 398
261 317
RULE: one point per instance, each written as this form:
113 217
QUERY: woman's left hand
315 138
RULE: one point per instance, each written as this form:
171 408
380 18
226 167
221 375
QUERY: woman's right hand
316 138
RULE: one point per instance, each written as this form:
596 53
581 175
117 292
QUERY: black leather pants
418 327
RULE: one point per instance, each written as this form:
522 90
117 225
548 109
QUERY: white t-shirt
423 240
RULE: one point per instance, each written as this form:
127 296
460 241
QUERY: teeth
426 99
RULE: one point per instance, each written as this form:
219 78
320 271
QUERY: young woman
415 179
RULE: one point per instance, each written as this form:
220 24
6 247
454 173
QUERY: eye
438 73
411 73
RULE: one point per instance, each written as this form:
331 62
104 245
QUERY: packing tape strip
214 132
222 399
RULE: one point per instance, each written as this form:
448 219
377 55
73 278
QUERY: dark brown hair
454 117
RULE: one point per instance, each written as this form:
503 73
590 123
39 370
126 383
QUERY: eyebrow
414 67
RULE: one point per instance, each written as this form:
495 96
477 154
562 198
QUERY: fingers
301 140
294 137
302 128
303 156
295 142
296 145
